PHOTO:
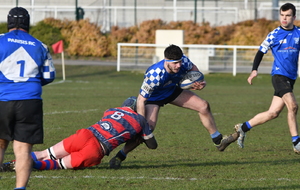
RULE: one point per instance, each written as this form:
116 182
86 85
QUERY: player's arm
146 134
48 68
194 68
257 59
149 140
151 143
140 105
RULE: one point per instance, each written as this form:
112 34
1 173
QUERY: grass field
186 157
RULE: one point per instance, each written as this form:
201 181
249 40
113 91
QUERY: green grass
186 157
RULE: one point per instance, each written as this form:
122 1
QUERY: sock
33 156
121 154
217 137
62 163
246 126
46 165
21 188
295 140
51 153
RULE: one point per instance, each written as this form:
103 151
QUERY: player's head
173 52
18 17
130 102
173 58
288 6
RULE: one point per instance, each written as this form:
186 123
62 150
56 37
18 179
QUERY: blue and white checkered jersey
285 49
158 84
25 66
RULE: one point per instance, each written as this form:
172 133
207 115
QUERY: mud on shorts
282 85
22 120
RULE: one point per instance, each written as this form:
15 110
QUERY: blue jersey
118 125
25 65
158 84
285 49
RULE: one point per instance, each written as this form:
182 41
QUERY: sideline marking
63 81
133 178
62 112
59 82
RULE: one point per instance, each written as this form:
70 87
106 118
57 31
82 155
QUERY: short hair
18 17
288 6
173 52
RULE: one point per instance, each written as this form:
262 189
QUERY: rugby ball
189 78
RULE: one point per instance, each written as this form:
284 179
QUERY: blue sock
121 154
216 137
216 134
33 156
248 125
21 188
294 138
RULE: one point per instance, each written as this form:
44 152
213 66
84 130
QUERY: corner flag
58 47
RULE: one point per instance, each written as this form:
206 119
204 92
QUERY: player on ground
160 87
88 146
25 66
285 45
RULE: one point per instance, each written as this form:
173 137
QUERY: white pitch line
151 178
105 177
63 81
59 82
65 112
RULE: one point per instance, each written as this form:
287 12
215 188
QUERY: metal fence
129 16
208 58
107 15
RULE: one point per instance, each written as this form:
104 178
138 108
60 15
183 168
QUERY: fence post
234 61
118 57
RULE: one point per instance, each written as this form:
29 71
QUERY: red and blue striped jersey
118 125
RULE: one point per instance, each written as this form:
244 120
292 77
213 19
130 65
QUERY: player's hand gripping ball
189 78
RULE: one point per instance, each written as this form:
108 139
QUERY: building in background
125 13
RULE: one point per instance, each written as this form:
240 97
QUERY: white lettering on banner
21 41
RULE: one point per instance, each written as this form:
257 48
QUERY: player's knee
295 108
274 114
205 107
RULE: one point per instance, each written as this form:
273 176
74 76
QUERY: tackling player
88 146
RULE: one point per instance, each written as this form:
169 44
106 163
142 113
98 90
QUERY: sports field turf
186 157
